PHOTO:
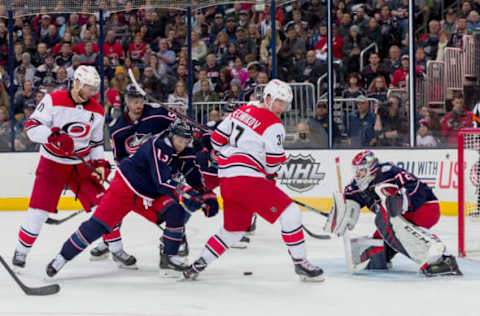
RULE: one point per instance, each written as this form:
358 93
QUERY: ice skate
309 272
242 243
253 226
124 260
194 269
100 252
446 265
171 265
55 265
19 259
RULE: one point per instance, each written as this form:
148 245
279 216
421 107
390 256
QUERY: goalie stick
37 291
54 221
179 114
308 231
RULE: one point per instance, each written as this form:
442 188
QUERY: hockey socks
114 240
88 232
172 237
292 232
30 229
219 243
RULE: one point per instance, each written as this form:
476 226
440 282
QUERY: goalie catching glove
343 215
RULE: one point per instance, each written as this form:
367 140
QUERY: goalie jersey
127 136
153 170
249 143
417 192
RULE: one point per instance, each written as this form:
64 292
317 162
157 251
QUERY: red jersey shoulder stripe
62 98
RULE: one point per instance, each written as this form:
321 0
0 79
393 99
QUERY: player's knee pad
291 218
173 215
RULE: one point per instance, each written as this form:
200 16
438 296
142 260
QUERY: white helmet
278 89
87 75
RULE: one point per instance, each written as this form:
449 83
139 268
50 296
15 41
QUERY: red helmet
365 165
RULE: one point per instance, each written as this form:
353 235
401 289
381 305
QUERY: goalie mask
365 166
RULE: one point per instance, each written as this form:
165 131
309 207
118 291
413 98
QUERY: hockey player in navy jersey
145 183
405 208
128 131
68 124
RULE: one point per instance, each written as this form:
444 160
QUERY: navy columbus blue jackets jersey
125 133
417 192
153 170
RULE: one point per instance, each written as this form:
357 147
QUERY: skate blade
99 258
316 279
239 246
444 274
131 267
18 270
171 274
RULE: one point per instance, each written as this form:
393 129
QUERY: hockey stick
89 165
53 221
42 290
179 114
308 231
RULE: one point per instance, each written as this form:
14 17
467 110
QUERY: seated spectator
442 44
29 68
202 75
80 48
303 138
239 71
121 80
353 89
224 80
206 94
321 47
353 39
244 45
166 57
390 126
293 43
235 93
373 70
22 98
400 76
379 89
319 125
179 95
52 37
473 24
424 137
48 84
49 68
65 57
312 69
448 24
5 129
430 40
40 55
393 61
199 49
62 82
22 141
456 38
455 120
265 46
152 85
58 47
89 57
137 49
420 61
112 49
360 128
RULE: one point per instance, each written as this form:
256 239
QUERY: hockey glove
272 176
102 170
191 198
343 215
210 206
61 141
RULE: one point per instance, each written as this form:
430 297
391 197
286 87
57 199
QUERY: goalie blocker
398 222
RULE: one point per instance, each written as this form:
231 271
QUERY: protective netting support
468 189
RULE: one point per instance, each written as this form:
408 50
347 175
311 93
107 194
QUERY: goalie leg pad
414 242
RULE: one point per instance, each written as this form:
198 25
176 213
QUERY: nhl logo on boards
300 173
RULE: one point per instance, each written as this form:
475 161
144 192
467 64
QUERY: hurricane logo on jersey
76 129
133 142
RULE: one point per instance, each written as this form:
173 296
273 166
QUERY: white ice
100 288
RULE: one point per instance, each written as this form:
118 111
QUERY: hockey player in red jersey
250 150
68 124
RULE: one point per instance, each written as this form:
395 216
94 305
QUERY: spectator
23 97
5 129
473 24
4 97
235 93
120 80
244 45
456 37
353 39
303 138
29 68
80 48
43 28
218 24
420 61
205 94
202 75
393 63
424 138
373 70
239 71
22 141
254 35
292 43
442 44
65 57
455 120
380 89
243 19
179 96
112 49
448 24
400 75
166 57
212 69
361 123
220 47
52 37
353 90
199 49
265 46
40 55
58 47
73 26
319 125
390 126
430 41
62 82
361 19
108 69
89 57
466 8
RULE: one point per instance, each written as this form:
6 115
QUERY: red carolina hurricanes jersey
83 122
249 143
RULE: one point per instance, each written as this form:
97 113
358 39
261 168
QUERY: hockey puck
247 273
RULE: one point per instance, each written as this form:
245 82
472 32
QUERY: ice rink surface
100 288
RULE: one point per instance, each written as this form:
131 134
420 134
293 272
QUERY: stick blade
43 290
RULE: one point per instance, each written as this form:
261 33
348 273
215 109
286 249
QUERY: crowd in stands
232 55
